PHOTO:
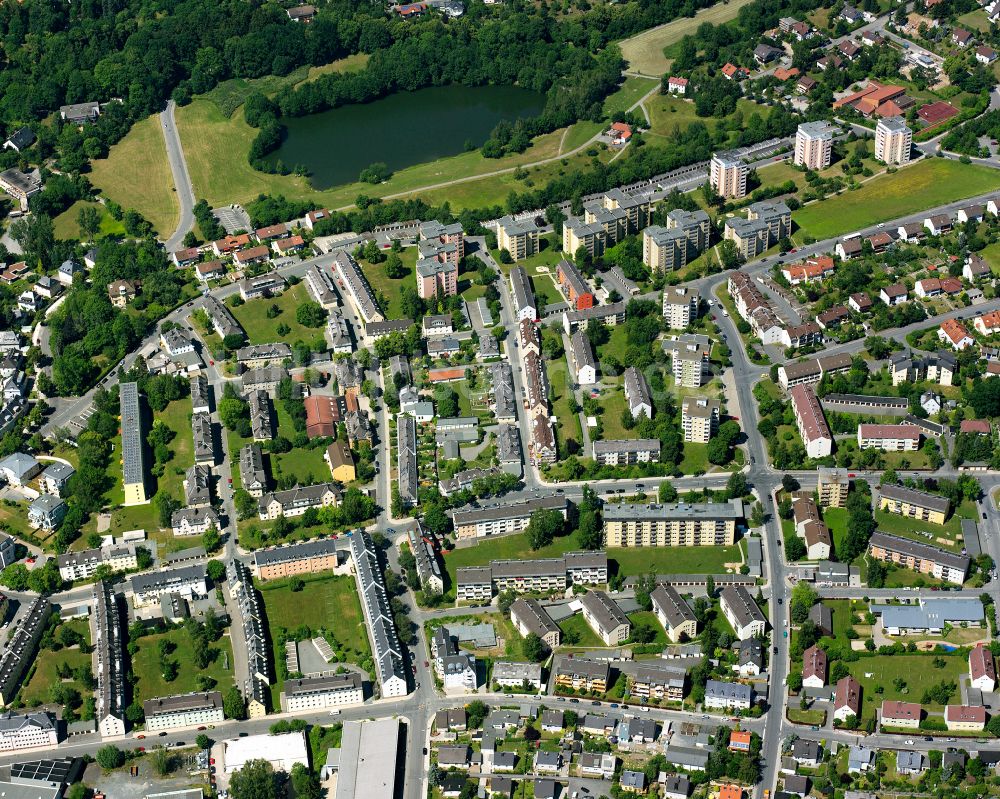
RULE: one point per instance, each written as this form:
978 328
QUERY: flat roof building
133 443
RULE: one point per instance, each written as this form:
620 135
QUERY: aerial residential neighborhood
454 400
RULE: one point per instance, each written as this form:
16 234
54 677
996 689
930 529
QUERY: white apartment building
680 306
83 564
893 141
320 693
27 731
183 710
699 418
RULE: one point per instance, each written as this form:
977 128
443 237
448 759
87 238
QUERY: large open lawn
644 52
391 287
67 226
916 671
146 665
327 602
136 174
675 560
579 633
262 329
36 690
924 185
628 94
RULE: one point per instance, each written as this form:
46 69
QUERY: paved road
182 180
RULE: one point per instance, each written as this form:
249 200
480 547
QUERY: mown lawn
644 52
262 329
580 632
381 283
917 672
146 665
327 602
926 184
36 690
648 618
136 174
675 560
66 225
628 94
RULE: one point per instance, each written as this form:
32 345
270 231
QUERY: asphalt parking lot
232 218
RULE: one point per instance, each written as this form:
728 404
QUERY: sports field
926 184
136 174
644 52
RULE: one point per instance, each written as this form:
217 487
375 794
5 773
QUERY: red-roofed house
951 285
965 718
901 714
620 133
979 427
783 74
733 72
982 669
961 37
739 741
847 700
928 287
814 664
953 332
816 268
677 85
988 323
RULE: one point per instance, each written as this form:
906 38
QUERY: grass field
326 603
926 184
253 317
36 691
136 174
146 665
67 227
675 560
580 632
628 94
916 670
644 52
976 20
579 134
947 536
392 287
648 618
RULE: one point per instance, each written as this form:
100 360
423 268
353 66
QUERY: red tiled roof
936 112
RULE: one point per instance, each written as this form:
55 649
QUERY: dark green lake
400 130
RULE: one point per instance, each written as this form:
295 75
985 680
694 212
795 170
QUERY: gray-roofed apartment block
406 458
20 649
386 649
109 647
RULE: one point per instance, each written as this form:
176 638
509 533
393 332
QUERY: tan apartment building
673 613
914 504
709 524
728 176
813 145
893 141
832 486
518 236
288 561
